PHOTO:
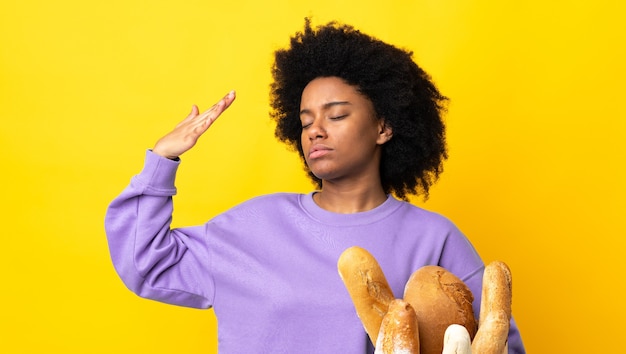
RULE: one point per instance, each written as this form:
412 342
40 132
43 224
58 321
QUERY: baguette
492 334
368 288
456 340
399 330
496 291
495 310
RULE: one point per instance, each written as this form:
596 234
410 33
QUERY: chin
322 172
323 175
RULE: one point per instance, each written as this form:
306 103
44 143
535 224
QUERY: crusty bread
497 290
495 310
399 330
368 288
456 340
492 334
439 299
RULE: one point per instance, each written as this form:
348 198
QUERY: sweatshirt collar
337 219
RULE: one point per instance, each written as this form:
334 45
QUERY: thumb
194 111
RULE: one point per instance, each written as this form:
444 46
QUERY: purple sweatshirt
268 266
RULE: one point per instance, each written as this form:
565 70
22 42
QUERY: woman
367 122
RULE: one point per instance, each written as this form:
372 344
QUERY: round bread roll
399 330
439 299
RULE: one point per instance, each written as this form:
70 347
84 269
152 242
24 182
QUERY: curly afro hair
401 92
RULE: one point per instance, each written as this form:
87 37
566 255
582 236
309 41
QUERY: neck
349 200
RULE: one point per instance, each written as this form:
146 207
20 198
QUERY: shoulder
271 204
264 212
424 217
272 199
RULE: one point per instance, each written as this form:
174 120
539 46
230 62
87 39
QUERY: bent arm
460 256
153 260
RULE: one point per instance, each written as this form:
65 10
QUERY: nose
317 129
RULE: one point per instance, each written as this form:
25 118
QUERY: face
341 134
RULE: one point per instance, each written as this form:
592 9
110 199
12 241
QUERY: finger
214 112
224 103
229 98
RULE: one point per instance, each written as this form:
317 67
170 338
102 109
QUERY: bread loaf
398 330
495 310
439 299
456 340
367 286
492 334
497 290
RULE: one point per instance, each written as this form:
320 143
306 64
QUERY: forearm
146 253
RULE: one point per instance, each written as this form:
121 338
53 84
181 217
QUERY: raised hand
186 133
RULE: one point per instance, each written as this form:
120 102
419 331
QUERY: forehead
323 90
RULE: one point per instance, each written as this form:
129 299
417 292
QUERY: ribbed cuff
158 174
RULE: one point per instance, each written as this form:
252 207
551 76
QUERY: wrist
170 157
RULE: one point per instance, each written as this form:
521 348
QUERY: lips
317 151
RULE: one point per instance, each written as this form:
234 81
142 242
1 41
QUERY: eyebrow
326 106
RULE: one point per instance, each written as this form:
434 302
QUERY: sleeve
154 261
461 258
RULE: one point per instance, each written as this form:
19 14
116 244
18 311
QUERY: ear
385 133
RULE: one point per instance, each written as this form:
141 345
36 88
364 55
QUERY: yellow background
535 127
